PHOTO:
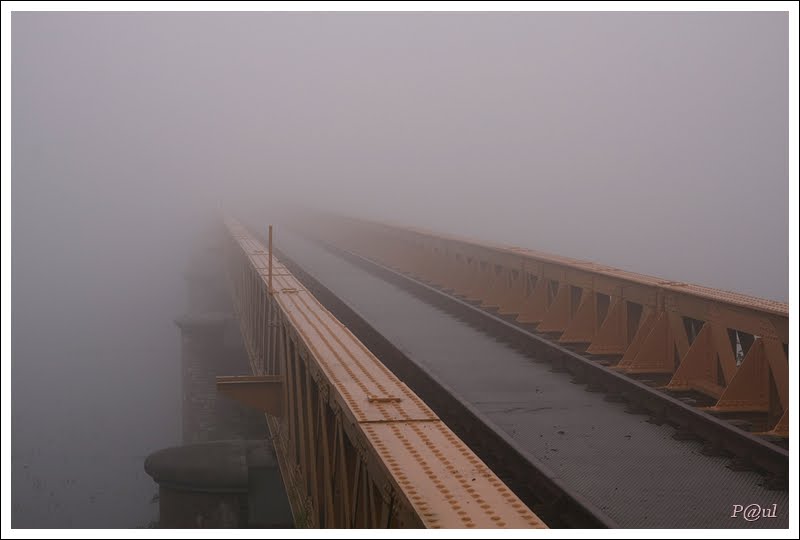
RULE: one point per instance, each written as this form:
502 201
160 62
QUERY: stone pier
226 474
219 484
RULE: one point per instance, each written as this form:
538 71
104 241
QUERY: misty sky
656 142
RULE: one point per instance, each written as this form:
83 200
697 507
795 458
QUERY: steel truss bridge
488 422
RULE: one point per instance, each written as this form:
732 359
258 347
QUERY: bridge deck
629 468
400 452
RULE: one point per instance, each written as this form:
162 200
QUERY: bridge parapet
356 447
730 347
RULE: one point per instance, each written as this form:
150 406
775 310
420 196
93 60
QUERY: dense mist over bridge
653 142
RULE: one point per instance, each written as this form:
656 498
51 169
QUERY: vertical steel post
269 287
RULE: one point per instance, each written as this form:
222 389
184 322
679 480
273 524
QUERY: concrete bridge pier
206 352
226 474
219 484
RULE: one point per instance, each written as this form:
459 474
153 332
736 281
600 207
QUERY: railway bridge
414 379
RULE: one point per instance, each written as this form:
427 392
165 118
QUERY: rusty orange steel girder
356 447
730 347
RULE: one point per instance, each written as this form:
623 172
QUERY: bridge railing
730 347
356 447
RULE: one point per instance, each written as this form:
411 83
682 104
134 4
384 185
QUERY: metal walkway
629 468
356 447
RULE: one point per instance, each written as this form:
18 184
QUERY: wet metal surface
422 465
631 469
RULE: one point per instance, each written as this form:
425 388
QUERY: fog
655 142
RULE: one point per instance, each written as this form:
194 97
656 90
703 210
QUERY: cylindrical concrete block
220 484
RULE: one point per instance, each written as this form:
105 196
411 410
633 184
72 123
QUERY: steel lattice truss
356 447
